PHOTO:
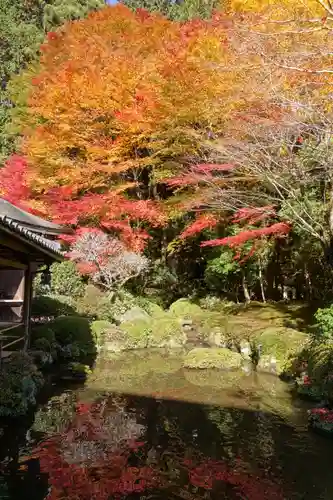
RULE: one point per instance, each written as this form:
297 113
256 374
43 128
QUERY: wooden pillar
28 278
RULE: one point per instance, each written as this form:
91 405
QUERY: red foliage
253 215
199 173
276 230
205 474
213 167
13 183
201 223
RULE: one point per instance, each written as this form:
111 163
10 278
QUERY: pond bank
144 425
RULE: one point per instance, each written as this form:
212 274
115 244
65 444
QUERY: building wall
11 295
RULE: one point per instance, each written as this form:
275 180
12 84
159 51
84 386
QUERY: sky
111 2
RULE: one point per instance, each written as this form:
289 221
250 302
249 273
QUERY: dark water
142 428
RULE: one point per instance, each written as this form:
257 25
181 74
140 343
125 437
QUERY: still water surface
143 428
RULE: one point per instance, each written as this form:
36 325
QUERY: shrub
94 304
281 342
42 332
52 306
324 318
42 344
69 330
150 307
79 368
213 303
19 384
66 280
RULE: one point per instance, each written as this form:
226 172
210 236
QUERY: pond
143 428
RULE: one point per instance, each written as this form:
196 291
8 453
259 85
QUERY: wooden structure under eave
27 242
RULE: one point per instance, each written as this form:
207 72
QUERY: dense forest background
203 127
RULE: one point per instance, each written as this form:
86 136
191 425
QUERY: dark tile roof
45 245
30 221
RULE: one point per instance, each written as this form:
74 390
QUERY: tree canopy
132 122
23 25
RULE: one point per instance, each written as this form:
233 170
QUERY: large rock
220 358
137 333
185 309
166 332
115 340
132 315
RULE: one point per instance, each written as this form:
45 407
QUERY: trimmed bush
94 304
201 358
52 306
19 383
42 332
66 280
74 330
281 343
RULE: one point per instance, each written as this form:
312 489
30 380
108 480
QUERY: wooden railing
8 340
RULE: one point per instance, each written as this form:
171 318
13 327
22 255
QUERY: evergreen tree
23 24
180 10
56 12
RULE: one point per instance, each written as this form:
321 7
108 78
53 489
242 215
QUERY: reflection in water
205 436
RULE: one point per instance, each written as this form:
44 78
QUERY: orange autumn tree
120 103
123 104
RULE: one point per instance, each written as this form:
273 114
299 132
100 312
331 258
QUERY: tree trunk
308 282
261 281
245 289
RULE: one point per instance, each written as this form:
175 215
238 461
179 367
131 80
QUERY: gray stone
217 338
132 315
245 349
268 363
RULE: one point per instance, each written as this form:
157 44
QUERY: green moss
138 333
212 358
281 342
185 309
154 310
166 332
99 328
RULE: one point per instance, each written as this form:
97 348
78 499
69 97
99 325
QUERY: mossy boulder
220 358
279 343
137 333
166 332
109 337
132 315
183 308
154 310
